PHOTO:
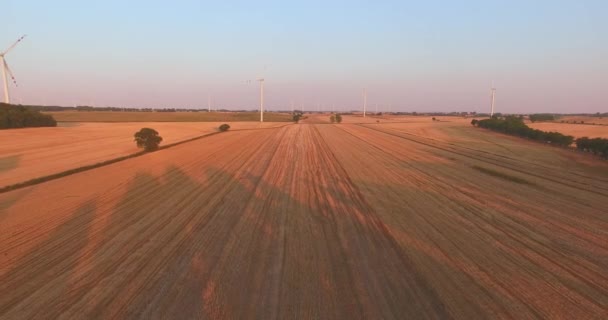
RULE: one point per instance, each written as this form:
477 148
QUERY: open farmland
585 119
108 116
316 221
575 130
35 152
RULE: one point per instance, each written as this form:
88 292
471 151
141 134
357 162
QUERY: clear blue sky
415 55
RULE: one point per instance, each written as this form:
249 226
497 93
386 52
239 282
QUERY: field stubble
312 221
35 152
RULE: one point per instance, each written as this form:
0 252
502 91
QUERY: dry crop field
108 116
576 130
35 152
586 119
316 221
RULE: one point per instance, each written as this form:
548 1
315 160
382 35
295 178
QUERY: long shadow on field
145 246
42 274
214 244
233 245
321 247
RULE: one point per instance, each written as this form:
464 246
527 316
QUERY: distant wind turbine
493 94
6 71
364 102
261 80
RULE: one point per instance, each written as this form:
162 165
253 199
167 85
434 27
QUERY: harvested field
576 130
36 152
108 116
315 221
585 119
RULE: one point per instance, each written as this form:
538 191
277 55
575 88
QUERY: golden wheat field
360 220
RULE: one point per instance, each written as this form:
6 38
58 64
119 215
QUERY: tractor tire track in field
450 148
304 221
274 229
564 266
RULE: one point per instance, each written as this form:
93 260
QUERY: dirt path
305 221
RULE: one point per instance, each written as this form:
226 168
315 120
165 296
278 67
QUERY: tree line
598 146
515 126
542 117
12 116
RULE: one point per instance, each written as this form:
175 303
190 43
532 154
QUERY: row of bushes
597 146
542 117
22 117
515 126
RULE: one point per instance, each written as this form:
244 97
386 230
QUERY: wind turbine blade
14 45
10 73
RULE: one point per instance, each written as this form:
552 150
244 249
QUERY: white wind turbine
364 102
6 71
493 95
261 80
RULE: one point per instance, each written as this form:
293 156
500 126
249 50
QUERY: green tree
332 118
12 116
297 116
338 118
224 127
148 139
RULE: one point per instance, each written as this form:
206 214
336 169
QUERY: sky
542 56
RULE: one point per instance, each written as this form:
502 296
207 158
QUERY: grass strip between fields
105 163
502 175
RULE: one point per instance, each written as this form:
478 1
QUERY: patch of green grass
502 175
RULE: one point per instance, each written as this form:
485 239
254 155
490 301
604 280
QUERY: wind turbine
493 94
364 102
261 80
6 71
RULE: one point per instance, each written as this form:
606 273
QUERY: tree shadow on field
43 273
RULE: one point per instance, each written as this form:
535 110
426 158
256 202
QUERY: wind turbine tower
493 94
261 80
364 102
6 71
